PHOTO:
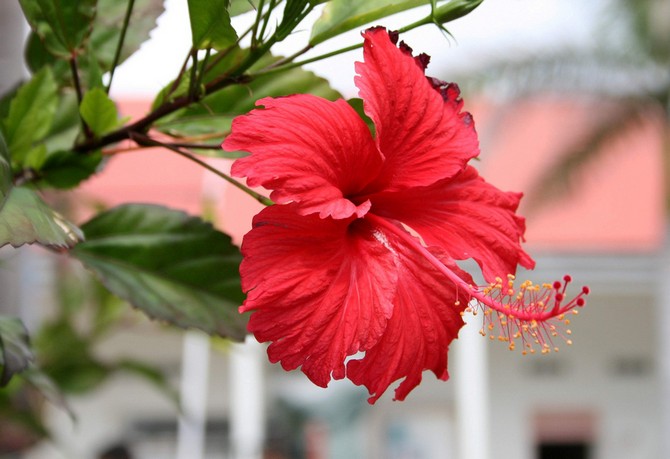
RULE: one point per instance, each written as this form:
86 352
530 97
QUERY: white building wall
608 372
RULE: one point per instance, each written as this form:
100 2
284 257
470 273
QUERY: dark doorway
563 451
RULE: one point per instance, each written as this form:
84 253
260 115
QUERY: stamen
532 315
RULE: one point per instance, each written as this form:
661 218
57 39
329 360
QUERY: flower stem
145 140
119 46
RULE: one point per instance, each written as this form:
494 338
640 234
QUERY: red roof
616 205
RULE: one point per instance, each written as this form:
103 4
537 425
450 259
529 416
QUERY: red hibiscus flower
353 273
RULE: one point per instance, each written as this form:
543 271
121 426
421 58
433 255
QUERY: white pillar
663 347
470 374
194 379
247 412
13 30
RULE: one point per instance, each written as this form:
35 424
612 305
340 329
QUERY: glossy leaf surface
26 219
31 113
15 353
98 111
210 24
63 25
171 266
340 16
5 171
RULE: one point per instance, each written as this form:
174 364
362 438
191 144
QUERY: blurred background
571 102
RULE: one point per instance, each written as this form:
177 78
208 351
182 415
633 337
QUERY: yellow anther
567 322
569 342
568 332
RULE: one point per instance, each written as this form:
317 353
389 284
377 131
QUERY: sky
495 28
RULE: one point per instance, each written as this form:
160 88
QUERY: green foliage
215 113
5 171
98 111
340 16
171 266
210 24
31 113
101 47
238 7
63 25
108 25
26 219
15 353
66 169
454 9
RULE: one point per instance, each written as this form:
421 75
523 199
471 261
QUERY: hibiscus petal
319 289
308 150
421 130
426 318
465 216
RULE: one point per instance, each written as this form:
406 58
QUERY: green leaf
15 353
5 171
66 169
238 7
63 25
225 63
37 57
6 98
172 266
210 24
98 111
31 113
293 15
454 9
340 16
66 124
357 104
215 112
109 22
26 219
